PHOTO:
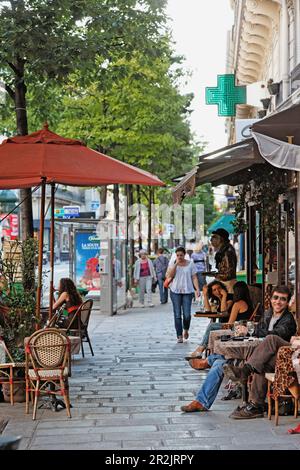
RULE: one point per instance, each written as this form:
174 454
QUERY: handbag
167 282
154 285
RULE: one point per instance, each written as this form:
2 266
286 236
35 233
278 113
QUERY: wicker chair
228 326
7 371
256 313
78 325
47 356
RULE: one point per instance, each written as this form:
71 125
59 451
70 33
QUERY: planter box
19 392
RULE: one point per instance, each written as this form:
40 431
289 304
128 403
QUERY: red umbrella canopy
26 160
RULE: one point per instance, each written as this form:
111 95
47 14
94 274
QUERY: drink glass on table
236 328
214 306
251 328
201 302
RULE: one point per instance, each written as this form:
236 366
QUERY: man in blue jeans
275 321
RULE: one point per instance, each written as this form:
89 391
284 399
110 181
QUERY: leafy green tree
43 41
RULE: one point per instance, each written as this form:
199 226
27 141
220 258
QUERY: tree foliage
102 71
204 195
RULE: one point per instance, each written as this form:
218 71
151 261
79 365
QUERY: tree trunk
103 196
138 195
22 129
149 221
155 241
131 241
117 202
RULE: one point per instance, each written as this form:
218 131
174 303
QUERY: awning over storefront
223 222
278 138
229 165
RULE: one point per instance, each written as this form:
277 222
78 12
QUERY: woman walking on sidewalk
184 281
143 275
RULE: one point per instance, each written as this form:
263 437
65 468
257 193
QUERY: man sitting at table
261 360
276 321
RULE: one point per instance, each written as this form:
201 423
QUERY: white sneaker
150 305
141 305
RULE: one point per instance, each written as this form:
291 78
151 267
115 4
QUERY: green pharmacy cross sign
226 95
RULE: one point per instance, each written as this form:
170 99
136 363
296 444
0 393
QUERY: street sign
170 228
71 212
59 212
95 205
226 95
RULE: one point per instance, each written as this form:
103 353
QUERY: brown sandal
199 364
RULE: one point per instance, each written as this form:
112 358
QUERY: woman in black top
240 309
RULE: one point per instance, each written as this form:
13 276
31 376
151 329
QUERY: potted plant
266 102
273 87
17 306
261 113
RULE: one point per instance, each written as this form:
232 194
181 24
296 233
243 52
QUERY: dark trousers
263 360
163 292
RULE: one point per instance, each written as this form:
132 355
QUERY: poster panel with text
87 251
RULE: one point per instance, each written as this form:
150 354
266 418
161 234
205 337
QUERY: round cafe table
214 336
237 350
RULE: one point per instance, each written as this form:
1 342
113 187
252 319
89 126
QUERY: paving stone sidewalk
129 395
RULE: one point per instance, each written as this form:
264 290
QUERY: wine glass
201 302
214 306
251 328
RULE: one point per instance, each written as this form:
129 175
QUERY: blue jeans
210 327
163 292
181 305
201 281
209 390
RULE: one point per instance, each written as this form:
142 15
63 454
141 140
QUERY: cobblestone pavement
129 395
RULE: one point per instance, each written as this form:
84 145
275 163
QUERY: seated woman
240 308
69 298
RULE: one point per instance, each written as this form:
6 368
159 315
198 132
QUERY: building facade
264 54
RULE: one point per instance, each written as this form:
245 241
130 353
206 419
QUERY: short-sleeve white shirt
182 282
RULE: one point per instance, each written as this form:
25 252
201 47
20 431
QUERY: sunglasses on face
279 297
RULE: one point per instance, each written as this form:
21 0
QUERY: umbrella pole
51 252
41 246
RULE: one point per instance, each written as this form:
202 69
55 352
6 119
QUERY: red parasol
26 160
44 157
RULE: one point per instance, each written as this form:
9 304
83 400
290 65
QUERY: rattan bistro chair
78 325
47 356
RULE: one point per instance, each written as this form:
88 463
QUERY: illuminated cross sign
226 95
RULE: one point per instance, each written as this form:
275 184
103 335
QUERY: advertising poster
10 226
87 251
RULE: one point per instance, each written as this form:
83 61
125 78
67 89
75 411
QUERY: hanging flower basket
262 113
266 102
273 88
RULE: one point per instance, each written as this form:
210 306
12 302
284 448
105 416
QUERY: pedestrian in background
144 274
184 282
199 258
161 265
